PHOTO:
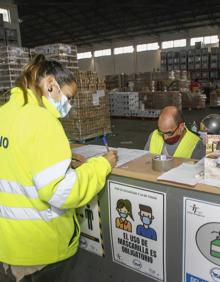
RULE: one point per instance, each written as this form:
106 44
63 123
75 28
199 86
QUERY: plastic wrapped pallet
66 54
199 101
161 99
4 97
12 61
186 99
88 81
193 100
179 85
123 103
89 116
112 82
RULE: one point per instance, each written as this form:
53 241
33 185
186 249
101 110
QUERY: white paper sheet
189 174
100 93
95 99
124 155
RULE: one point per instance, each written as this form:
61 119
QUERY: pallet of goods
195 100
66 54
4 97
12 61
123 103
160 99
215 98
89 116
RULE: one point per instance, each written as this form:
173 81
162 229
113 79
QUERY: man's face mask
63 106
172 140
146 220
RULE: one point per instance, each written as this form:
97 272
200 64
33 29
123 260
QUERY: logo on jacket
4 142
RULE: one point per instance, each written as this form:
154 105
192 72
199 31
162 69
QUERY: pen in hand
111 156
105 142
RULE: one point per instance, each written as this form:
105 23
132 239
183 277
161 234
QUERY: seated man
173 138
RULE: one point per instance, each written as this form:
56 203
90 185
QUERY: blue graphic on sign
192 278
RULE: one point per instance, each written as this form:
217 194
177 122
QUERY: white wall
148 61
137 62
127 63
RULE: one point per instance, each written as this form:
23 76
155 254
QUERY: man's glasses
169 133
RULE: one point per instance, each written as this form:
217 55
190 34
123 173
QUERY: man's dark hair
145 208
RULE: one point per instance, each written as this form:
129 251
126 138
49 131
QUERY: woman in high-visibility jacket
39 190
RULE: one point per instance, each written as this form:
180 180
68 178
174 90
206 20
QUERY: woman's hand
112 157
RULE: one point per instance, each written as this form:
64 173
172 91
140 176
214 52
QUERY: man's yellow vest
38 190
184 149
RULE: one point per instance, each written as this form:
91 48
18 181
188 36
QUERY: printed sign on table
90 223
201 242
137 225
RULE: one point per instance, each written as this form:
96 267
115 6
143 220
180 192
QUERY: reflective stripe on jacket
38 190
185 148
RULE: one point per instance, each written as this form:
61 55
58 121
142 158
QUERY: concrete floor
133 133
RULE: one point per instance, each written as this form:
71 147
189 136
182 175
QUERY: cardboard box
90 114
66 54
12 61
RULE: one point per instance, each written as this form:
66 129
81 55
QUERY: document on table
210 182
124 155
188 174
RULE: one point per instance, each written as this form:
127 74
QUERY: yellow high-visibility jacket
185 148
38 190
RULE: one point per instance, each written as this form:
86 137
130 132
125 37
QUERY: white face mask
62 106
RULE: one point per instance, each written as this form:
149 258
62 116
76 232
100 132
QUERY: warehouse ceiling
88 22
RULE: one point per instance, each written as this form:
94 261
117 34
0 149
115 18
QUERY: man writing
173 138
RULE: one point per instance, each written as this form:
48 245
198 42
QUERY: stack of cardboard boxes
123 103
89 116
160 99
142 104
193 100
66 54
215 98
12 61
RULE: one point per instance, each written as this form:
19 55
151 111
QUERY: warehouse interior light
194 40
213 39
102 53
179 43
6 15
84 55
148 47
167 44
174 43
123 50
